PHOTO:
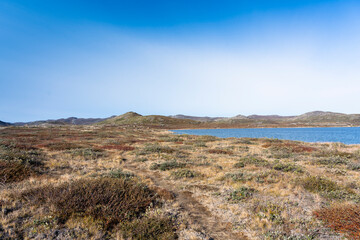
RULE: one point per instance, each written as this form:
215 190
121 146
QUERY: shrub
342 218
254 160
271 212
118 173
155 148
319 184
220 151
184 173
241 194
239 165
87 153
60 146
14 172
332 161
109 200
33 158
354 166
118 147
152 228
166 165
238 177
287 167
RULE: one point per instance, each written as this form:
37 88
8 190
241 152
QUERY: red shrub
342 218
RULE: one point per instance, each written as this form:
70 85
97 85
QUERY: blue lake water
347 135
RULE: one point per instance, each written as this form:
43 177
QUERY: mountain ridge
314 118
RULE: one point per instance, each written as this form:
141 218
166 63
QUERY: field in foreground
102 182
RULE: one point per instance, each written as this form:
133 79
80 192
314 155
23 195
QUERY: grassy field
108 182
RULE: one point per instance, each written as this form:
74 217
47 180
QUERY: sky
90 58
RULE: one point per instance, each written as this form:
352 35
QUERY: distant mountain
132 118
63 121
310 119
327 117
269 117
4 124
202 119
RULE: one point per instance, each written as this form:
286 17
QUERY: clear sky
63 58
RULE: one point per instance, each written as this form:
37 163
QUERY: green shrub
118 173
241 194
155 148
152 228
239 165
319 184
166 165
254 160
287 167
184 173
238 177
332 161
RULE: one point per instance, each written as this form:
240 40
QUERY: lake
347 135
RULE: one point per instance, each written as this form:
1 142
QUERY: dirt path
212 226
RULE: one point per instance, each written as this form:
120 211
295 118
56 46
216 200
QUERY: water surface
347 135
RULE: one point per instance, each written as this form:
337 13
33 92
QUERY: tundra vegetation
128 182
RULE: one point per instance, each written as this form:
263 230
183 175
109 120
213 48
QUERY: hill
132 118
62 121
4 124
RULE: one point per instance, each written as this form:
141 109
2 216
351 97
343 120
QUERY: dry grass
128 182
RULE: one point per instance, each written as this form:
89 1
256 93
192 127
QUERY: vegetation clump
166 165
287 167
241 194
254 160
184 173
220 151
155 148
109 200
342 218
152 228
87 153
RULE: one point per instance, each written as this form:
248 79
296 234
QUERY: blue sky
65 58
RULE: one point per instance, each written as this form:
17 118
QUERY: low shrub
118 173
184 173
14 172
254 160
220 151
319 184
61 146
166 165
238 177
342 218
87 153
354 166
332 161
110 200
117 147
241 194
239 165
155 148
33 158
287 167
152 228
